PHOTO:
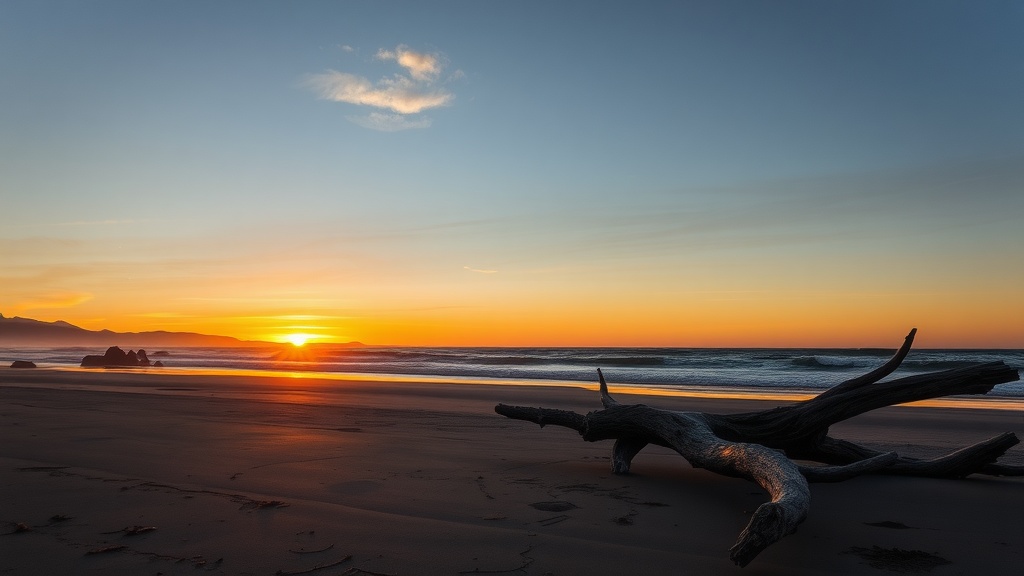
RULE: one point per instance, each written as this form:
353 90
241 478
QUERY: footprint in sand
554 506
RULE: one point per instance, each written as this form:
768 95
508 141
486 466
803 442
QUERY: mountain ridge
17 332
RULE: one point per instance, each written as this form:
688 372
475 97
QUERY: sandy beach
107 472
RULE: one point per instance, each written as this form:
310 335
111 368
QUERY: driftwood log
763 446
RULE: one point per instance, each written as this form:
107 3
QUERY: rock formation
114 357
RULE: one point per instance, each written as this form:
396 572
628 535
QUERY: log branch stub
623 452
606 399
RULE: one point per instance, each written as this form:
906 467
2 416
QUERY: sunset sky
517 173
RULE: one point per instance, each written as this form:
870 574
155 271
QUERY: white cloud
389 122
423 67
347 48
412 91
479 271
400 94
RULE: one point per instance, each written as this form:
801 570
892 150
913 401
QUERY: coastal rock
158 364
23 364
115 357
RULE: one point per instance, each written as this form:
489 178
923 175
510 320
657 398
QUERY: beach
122 472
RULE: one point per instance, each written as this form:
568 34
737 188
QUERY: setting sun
297 339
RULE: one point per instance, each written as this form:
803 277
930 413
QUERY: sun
297 339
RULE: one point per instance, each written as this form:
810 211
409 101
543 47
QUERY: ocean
709 369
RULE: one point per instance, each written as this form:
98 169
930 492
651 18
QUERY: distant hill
25 333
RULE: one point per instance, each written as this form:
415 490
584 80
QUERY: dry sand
284 475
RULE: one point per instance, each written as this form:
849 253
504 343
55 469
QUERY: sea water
783 369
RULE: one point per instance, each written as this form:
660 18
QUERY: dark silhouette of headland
28 333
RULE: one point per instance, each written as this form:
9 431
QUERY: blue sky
378 159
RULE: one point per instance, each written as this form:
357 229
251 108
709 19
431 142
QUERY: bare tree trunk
759 446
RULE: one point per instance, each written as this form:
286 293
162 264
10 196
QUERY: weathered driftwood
762 446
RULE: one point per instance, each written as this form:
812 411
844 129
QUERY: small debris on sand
890 524
556 506
261 504
315 568
899 560
106 549
304 551
132 530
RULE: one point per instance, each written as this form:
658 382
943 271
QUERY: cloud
400 94
95 222
59 300
389 122
412 91
479 271
347 48
422 67
164 315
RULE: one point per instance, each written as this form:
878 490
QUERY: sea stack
114 357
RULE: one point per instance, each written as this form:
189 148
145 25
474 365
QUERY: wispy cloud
295 317
414 90
94 222
479 271
400 94
261 300
389 122
56 300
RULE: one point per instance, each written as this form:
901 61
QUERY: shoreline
63 376
242 475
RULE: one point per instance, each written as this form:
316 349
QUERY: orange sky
482 310
681 174
829 292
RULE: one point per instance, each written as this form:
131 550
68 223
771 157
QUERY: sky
517 173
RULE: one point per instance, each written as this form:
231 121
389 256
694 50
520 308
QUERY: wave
828 362
496 357
932 365
806 368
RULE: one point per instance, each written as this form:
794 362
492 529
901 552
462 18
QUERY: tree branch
845 472
974 459
876 374
544 416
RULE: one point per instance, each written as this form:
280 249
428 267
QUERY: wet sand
250 475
